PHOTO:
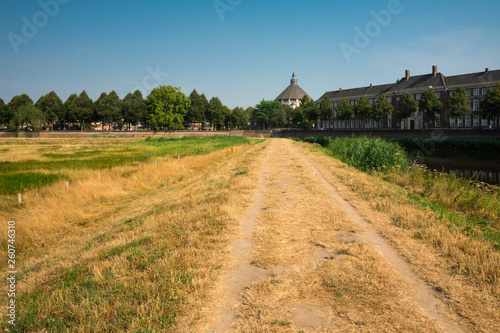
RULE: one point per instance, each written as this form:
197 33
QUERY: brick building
475 84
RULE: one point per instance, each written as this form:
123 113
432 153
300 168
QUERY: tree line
269 114
165 108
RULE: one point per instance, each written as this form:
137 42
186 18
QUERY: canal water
484 167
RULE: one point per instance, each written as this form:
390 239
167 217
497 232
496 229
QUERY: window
438 120
467 92
476 121
389 121
357 124
352 123
485 122
460 122
467 121
419 97
390 98
336 104
335 114
476 92
438 94
353 102
335 125
476 105
371 100
397 98
452 122
485 91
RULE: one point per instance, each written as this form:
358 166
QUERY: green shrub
369 154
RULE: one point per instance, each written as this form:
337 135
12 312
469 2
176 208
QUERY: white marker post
19 199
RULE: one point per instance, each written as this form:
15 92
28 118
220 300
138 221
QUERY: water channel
481 166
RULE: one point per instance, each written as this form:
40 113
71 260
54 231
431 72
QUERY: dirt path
305 261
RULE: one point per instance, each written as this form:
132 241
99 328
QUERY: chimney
341 89
486 70
407 74
371 85
434 70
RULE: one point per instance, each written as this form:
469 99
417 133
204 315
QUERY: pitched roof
480 79
293 91
419 83
357 92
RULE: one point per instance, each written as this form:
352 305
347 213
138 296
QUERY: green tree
216 113
28 115
381 108
458 103
264 113
345 110
298 118
15 103
108 108
362 108
310 110
430 104
279 117
325 109
50 105
288 113
70 110
490 106
167 107
133 108
4 113
407 106
239 118
197 108
85 110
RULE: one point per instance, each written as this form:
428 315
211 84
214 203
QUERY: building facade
293 94
476 86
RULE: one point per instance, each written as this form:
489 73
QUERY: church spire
294 80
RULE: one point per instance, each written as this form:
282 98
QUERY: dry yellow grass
464 271
123 253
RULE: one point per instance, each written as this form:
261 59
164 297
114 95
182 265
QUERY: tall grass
369 154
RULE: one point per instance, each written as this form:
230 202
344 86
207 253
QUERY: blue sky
243 54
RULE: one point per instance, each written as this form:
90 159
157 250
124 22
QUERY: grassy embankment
477 204
121 253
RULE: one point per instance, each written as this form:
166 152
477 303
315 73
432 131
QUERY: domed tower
294 94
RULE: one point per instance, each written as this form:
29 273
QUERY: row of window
418 97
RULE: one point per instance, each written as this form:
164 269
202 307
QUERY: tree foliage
167 107
362 108
28 115
108 108
84 109
70 109
381 108
239 118
15 103
4 113
50 105
325 109
345 110
490 106
430 104
310 110
407 106
265 112
216 113
197 109
458 103
134 108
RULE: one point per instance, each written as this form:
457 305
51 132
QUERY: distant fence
493 134
130 134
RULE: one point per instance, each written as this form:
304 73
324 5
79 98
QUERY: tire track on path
430 305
